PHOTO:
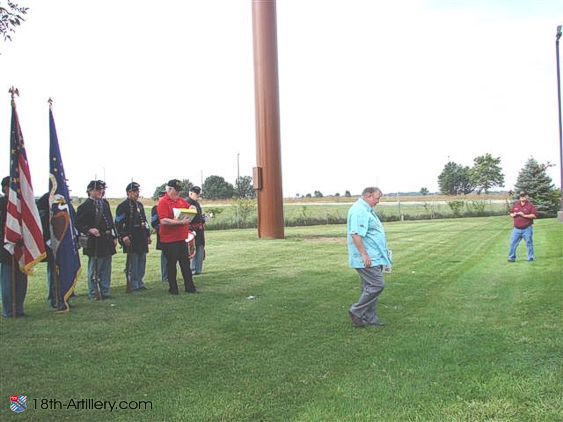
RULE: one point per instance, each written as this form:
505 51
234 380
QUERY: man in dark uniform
196 226
134 235
155 224
43 208
94 218
6 266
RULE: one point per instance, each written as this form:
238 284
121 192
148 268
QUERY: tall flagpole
13 92
51 257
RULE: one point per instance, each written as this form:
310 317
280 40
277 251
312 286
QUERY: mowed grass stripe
448 346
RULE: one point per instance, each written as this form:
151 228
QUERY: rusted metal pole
267 174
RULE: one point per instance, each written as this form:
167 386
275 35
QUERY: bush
245 207
476 207
456 207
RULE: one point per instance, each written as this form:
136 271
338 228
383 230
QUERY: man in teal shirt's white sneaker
368 254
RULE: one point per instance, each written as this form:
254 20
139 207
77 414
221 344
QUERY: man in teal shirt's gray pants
368 254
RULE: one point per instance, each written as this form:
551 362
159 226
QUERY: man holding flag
21 226
65 265
6 267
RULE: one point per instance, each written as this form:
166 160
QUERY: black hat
132 186
96 184
5 181
195 189
175 183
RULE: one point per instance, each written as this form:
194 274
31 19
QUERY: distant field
337 199
333 210
470 337
317 212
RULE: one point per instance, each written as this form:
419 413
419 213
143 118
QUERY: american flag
23 236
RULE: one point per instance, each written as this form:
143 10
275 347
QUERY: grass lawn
470 337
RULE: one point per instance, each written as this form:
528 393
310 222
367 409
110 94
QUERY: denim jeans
163 269
196 264
517 235
21 290
137 265
104 275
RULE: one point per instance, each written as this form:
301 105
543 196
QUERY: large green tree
486 173
184 191
455 179
11 15
533 178
216 187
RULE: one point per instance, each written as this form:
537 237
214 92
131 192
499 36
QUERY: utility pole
560 212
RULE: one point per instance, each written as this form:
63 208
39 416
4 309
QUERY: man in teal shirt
368 254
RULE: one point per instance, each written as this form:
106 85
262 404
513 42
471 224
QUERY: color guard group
98 233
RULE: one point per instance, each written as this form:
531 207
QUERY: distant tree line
486 173
216 187
319 194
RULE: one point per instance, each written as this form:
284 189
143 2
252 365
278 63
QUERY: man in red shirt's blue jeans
523 212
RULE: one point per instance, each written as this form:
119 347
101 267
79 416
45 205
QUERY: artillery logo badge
18 403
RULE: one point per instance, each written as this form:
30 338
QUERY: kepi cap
96 184
5 181
132 186
195 189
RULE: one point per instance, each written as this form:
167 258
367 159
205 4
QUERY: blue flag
66 268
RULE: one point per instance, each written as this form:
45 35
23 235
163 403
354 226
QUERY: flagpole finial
50 101
13 92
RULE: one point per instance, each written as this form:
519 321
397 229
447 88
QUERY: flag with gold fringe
63 242
23 236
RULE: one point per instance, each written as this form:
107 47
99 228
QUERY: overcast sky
371 92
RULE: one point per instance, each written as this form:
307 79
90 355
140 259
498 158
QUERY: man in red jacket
173 235
523 212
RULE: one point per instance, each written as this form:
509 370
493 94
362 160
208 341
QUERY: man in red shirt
173 235
523 212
